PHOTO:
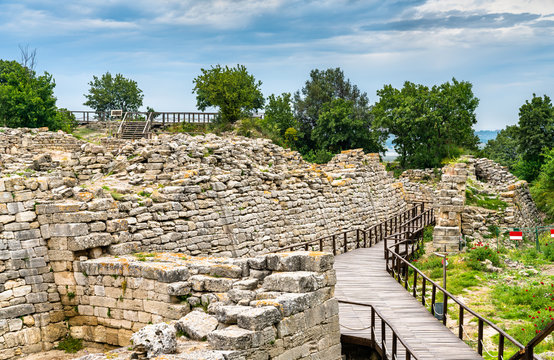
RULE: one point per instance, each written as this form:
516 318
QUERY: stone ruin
97 241
173 236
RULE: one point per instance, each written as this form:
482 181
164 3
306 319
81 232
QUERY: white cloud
541 7
224 14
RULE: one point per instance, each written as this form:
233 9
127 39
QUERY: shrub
479 253
70 345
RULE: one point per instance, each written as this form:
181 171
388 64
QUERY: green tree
504 148
113 93
543 189
278 113
429 124
322 88
339 129
536 133
233 90
26 100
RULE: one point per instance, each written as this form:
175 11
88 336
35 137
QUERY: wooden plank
361 277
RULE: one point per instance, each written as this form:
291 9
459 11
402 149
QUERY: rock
155 340
197 325
258 318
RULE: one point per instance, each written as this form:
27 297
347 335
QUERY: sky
505 48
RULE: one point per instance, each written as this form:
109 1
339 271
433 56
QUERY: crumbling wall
200 195
276 305
449 207
31 313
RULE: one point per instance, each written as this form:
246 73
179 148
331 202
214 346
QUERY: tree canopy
113 93
429 124
233 90
351 115
535 135
26 100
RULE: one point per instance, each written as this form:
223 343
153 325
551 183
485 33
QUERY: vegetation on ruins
70 345
113 93
505 285
233 90
429 124
527 150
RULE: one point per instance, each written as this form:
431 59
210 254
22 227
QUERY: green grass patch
70 345
484 200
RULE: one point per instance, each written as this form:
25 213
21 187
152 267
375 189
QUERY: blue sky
504 47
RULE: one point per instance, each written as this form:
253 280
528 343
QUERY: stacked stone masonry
203 195
276 306
449 206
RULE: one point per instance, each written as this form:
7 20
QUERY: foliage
70 344
319 156
543 189
278 114
535 134
504 149
479 253
233 90
63 120
26 100
337 128
113 93
486 201
317 96
429 124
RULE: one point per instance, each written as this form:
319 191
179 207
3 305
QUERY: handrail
159 117
147 126
527 352
409 351
396 259
377 231
120 129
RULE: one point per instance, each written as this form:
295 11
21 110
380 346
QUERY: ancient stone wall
276 305
449 206
31 314
200 195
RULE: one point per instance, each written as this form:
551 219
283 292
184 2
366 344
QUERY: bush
477 254
70 345
63 120
320 156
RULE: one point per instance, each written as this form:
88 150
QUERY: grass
518 301
487 201
70 345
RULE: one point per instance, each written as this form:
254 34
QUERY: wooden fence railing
386 350
399 251
363 238
162 118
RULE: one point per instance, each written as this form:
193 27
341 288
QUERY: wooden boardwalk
361 277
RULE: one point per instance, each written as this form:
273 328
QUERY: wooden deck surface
361 277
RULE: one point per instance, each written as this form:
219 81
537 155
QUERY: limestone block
89 241
15 311
155 340
258 318
77 229
228 314
197 325
293 282
234 338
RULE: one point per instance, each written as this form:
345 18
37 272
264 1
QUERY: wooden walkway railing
364 238
402 236
377 316
399 266
162 118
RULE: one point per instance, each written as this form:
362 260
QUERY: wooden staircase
130 129
134 130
